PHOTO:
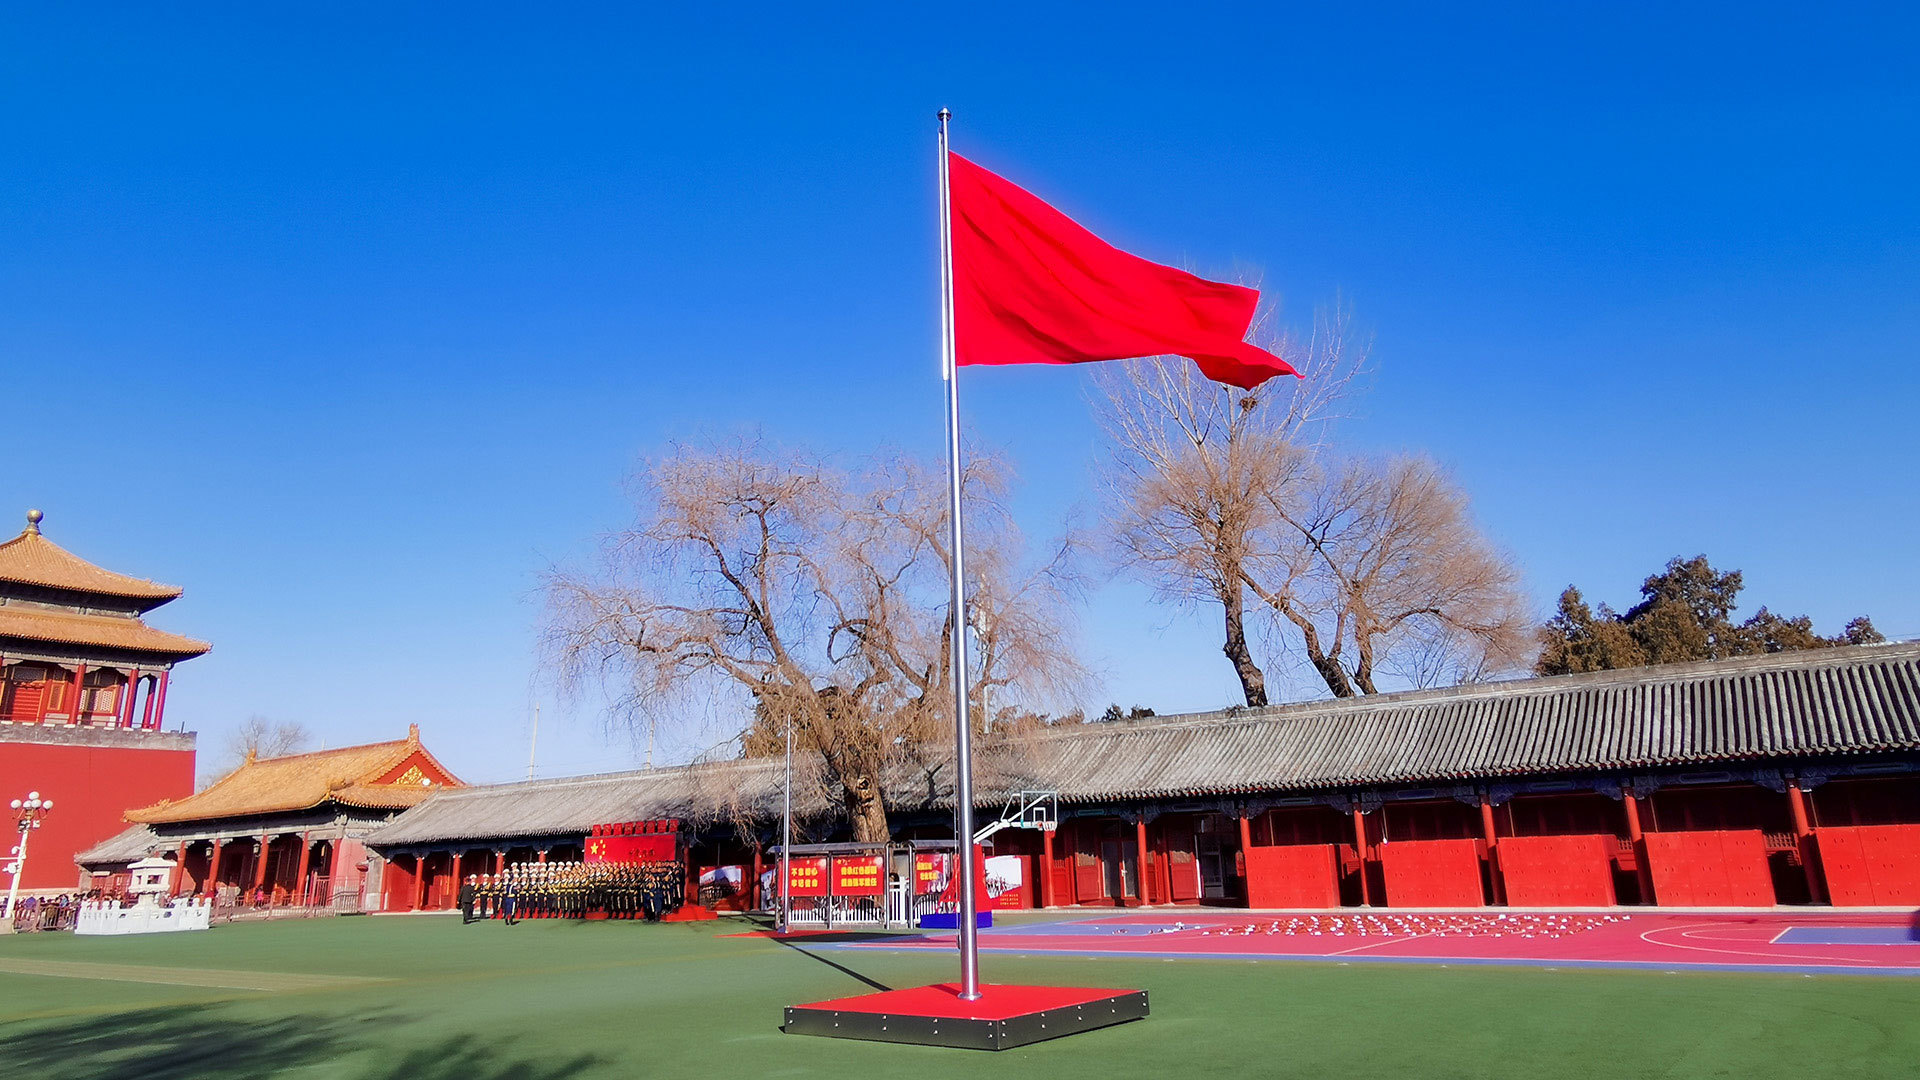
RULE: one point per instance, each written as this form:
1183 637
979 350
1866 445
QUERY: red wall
91 788
1432 873
1871 864
1557 871
1724 868
1293 876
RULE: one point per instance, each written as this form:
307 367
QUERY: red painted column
1246 858
300 880
753 887
1360 849
260 865
420 883
499 863
1046 868
79 688
1493 852
213 867
180 869
160 707
1141 860
1641 871
123 717
1803 836
146 710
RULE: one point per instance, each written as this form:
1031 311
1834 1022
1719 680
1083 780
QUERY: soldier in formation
573 890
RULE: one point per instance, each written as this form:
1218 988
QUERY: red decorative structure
1002 1017
1294 876
1557 871
1432 873
1724 868
1872 864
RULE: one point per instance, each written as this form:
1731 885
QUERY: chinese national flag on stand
1033 287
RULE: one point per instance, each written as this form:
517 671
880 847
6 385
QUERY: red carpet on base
996 1002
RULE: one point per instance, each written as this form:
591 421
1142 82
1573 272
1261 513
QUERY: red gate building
83 699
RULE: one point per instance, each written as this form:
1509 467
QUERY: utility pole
533 743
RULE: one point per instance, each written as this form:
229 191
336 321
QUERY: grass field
426 998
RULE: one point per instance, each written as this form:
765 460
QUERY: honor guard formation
572 890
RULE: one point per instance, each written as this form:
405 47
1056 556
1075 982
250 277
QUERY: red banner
807 877
655 847
634 841
929 873
858 875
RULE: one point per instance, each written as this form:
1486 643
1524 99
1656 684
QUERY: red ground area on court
1667 940
996 1002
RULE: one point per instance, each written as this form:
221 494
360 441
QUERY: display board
1293 876
859 875
1558 871
807 876
1710 868
1432 873
1871 864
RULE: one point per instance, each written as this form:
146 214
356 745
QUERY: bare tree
813 596
1383 556
1220 496
257 737
1197 468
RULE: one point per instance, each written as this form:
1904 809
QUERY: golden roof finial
253 753
34 518
413 732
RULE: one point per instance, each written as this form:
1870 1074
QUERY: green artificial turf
542 1000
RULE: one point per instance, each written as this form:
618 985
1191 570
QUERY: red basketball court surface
1868 943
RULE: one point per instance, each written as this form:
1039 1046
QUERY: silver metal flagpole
962 728
786 832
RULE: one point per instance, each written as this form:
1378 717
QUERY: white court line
1377 944
1647 937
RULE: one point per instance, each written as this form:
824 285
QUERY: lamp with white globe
30 810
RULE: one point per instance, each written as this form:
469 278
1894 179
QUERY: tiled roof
300 782
1825 703
570 806
1822 703
132 844
32 559
95 631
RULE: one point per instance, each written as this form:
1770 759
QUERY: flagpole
786 834
962 728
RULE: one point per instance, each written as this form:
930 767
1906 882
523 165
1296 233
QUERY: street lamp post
31 809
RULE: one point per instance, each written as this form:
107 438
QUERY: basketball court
1864 943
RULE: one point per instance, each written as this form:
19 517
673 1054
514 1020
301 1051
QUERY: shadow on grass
796 946
189 1042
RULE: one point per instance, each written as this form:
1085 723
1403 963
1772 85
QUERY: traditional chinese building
83 698
1785 779
286 828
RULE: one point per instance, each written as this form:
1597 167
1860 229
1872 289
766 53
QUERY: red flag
1033 287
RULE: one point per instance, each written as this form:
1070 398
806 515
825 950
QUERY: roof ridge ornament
34 517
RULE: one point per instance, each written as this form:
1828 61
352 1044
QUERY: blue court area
1848 935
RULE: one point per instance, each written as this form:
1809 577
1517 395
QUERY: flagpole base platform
1004 1016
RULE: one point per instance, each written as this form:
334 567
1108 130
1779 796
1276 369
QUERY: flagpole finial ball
945 115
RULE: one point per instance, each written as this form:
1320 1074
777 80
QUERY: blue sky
351 321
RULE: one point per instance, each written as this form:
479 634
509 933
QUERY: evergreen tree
1685 613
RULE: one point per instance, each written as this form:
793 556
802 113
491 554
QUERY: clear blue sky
351 321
